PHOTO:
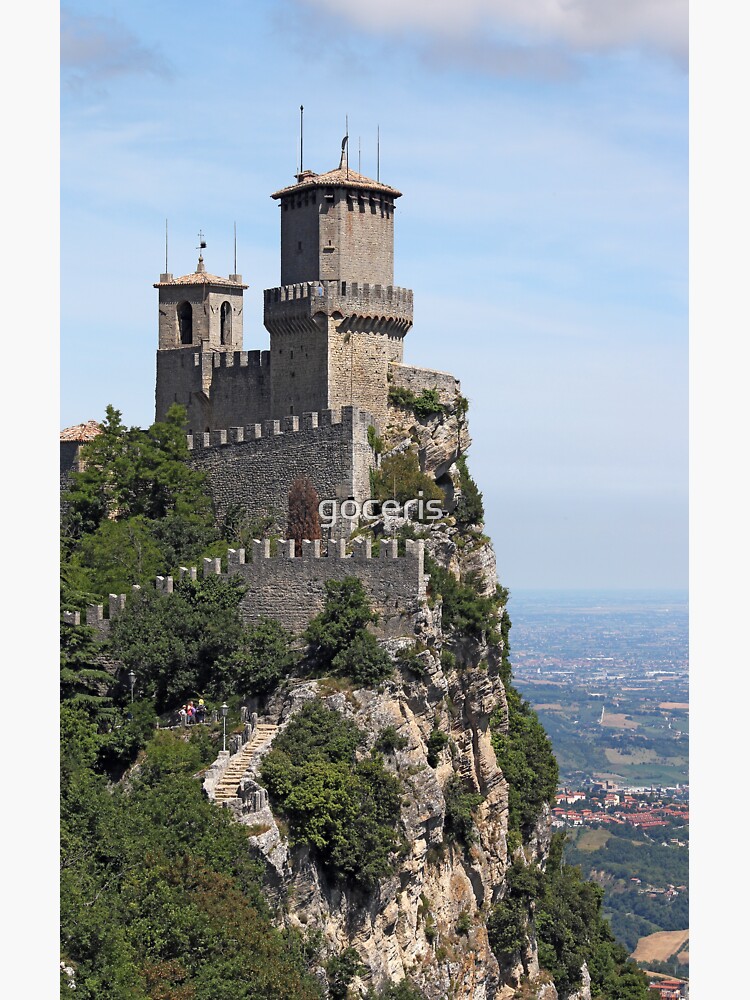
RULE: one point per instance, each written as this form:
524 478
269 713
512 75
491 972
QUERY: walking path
228 786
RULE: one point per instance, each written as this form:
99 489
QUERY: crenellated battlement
389 307
350 418
236 359
396 585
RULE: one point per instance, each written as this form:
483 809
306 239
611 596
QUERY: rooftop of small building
342 176
81 433
200 276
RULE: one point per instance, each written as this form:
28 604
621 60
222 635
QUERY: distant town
608 676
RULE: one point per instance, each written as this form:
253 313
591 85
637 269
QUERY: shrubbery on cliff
565 912
347 811
159 895
339 642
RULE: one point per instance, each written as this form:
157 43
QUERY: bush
364 661
389 740
524 755
265 657
348 812
341 969
399 478
463 924
436 742
408 658
338 638
465 610
470 507
460 802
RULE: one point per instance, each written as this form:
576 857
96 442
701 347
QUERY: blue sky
542 152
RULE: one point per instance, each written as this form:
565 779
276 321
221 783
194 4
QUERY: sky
542 150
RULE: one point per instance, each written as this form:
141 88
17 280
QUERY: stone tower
200 314
337 320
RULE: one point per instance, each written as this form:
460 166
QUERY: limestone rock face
438 439
408 925
427 921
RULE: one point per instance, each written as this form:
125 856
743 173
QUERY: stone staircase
228 785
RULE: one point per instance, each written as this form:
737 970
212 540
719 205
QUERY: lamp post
131 678
224 710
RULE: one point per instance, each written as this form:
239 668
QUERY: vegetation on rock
347 810
159 895
339 642
399 478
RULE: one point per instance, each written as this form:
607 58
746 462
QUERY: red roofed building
71 440
668 989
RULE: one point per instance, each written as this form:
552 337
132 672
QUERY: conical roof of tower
200 277
342 176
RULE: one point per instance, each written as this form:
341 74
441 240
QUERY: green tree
347 811
524 755
460 802
400 478
338 640
264 657
470 507
184 642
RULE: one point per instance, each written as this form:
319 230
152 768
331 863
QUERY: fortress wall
299 225
358 369
254 466
292 590
300 369
396 586
240 391
419 379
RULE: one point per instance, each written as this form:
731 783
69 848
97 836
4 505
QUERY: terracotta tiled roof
340 177
82 432
200 277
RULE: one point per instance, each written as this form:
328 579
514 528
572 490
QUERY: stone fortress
258 420
337 323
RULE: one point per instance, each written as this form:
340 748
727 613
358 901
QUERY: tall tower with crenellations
337 321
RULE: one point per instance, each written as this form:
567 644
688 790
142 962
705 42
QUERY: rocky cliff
427 921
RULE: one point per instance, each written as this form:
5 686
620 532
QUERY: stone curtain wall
292 591
419 379
254 466
395 586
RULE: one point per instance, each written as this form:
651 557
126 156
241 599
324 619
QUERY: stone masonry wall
292 590
218 388
396 586
419 379
254 466
337 233
358 226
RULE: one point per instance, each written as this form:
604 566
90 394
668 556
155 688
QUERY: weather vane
201 241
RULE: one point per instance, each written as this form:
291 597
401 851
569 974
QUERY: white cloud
579 26
94 49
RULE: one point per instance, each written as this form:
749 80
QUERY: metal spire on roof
201 247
